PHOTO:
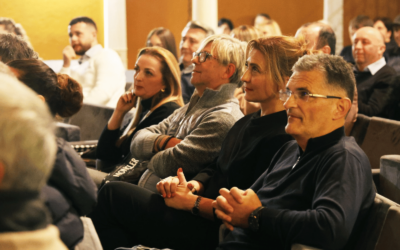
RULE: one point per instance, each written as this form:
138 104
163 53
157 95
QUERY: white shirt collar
93 50
376 66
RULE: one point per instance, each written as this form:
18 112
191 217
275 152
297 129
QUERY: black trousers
127 215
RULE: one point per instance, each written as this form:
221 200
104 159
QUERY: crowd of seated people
247 128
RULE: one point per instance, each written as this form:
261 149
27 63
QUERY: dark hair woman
70 192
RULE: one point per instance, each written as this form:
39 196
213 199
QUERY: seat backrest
390 231
91 119
68 132
376 232
389 177
360 127
382 138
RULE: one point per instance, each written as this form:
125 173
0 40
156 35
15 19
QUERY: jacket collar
322 142
93 51
212 98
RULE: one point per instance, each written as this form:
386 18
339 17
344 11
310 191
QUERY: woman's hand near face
125 103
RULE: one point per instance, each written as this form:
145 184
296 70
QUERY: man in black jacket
318 189
373 76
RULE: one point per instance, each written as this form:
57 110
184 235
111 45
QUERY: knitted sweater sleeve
196 150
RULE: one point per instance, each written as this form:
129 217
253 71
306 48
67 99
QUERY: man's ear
326 50
229 71
342 108
382 49
42 98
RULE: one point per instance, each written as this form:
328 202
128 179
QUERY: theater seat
377 137
91 119
68 132
390 177
360 127
381 229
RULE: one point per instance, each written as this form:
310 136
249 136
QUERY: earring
162 90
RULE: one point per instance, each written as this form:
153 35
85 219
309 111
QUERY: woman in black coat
156 94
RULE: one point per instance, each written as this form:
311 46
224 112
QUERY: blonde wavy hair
280 54
245 33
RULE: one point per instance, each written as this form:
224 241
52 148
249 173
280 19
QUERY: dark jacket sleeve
341 187
106 149
205 174
71 178
380 96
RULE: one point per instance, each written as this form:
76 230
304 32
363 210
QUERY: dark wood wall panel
372 8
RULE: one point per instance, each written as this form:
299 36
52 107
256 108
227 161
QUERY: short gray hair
198 25
338 73
228 50
27 143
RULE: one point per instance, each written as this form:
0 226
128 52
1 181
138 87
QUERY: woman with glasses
183 217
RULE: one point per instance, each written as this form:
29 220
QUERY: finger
224 192
223 216
181 177
167 189
160 188
237 194
174 184
224 205
229 226
129 96
125 97
215 204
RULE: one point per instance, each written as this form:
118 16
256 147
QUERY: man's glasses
303 95
203 55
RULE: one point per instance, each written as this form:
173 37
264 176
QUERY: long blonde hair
171 77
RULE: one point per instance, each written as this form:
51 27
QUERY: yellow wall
46 21
144 15
289 14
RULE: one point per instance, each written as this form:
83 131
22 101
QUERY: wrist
120 114
66 64
254 219
196 206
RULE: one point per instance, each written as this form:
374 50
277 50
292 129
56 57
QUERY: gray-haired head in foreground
338 73
15 48
228 50
27 141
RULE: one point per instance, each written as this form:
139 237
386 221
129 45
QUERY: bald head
368 46
319 36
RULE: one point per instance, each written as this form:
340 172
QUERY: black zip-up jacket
70 193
